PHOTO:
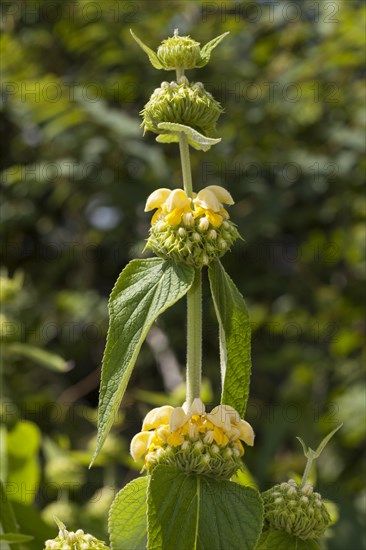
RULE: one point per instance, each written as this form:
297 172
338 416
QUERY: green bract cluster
294 509
179 51
183 103
198 457
196 244
68 540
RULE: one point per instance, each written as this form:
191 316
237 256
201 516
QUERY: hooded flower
193 230
193 440
173 205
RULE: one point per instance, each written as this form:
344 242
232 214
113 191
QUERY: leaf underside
195 139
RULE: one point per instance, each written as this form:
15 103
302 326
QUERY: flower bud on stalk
179 51
295 509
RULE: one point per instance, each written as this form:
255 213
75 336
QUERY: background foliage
75 174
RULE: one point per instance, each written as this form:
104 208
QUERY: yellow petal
175 439
197 407
213 218
246 432
221 194
156 215
240 447
175 216
139 444
177 418
177 199
220 437
156 417
207 200
157 198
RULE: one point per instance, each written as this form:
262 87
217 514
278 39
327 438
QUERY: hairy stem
186 163
194 339
194 296
306 472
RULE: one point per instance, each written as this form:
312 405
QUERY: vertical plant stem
180 72
194 339
186 164
194 296
306 471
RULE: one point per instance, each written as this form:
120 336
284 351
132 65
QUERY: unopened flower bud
297 511
182 104
203 224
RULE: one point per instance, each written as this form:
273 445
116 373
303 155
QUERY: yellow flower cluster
193 230
193 440
176 208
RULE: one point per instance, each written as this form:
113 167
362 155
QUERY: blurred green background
75 174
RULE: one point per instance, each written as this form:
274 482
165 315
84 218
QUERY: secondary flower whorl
183 103
194 230
192 440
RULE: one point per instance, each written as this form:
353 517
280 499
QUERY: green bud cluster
198 457
68 540
196 243
295 509
179 51
182 103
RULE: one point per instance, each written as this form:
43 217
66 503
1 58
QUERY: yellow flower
156 417
174 205
183 436
209 202
140 444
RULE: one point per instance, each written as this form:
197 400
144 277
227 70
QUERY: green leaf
13 538
40 356
279 540
199 512
127 522
309 452
207 49
154 60
195 139
234 325
144 289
